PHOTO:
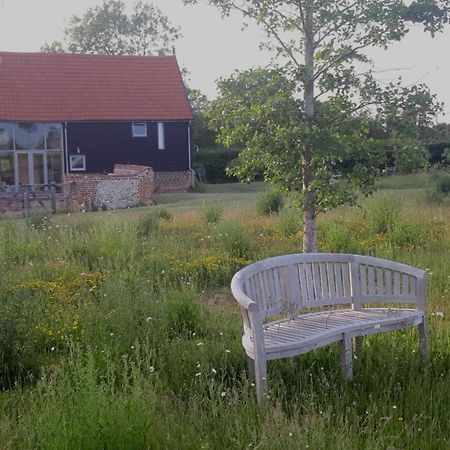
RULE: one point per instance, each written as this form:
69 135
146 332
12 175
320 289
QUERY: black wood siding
109 143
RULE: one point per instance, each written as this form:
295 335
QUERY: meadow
118 329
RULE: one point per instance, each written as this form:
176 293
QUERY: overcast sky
213 47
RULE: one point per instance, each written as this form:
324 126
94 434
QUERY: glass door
23 169
32 168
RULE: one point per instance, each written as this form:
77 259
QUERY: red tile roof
68 87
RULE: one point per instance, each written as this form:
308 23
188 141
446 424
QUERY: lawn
118 329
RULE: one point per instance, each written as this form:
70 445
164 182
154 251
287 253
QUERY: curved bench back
285 284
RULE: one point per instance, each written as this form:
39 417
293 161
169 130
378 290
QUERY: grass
118 331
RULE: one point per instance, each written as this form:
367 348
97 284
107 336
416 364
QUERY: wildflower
227 351
214 371
223 393
152 369
198 374
199 344
440 314
148 318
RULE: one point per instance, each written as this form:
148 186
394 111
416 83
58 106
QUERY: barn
63 115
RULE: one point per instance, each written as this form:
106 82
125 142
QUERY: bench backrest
285 284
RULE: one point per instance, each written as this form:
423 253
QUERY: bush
148 225
439 191
164 214
233 240
289 221
210 213
183 313
382 213
38 220
213 163
443 184
408 234
337 238
270 202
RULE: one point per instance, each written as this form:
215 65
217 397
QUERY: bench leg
260 379
251 367
347 357
423 340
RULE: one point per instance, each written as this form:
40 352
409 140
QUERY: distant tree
109 29
202 135
323 93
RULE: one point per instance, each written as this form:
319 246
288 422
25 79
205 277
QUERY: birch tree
319 47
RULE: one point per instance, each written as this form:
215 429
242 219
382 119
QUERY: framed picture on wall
77 162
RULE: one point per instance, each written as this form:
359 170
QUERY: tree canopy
110 29
310 116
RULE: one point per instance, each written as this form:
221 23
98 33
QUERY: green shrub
210 212
38 220
289 221
443 184
233 240
148 225
381 213
165 214
337 237
199 188
269 202
439 191
183 313
213 163
407 234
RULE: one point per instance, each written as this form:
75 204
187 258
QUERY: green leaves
108 29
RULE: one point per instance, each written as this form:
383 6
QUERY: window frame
161 136
133 130
77 155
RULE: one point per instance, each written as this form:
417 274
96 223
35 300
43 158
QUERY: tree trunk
309 202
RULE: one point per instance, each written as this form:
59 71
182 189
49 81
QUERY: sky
212 47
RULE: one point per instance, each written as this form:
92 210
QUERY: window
6 169
6 137
29 136
53 136
139 129
77 162
161 140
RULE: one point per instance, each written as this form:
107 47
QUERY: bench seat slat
280 336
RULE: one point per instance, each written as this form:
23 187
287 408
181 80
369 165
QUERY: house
63 114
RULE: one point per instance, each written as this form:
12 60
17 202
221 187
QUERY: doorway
31 168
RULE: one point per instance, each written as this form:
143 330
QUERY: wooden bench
297 303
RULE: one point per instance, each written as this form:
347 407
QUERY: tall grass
115 333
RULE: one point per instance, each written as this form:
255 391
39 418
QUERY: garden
118 329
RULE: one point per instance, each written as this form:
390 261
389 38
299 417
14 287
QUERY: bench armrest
244 300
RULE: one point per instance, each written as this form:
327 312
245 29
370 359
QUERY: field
118 329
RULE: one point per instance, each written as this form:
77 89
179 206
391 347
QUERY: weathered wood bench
297 303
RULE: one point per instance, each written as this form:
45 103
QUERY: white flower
223 393
214 371
152 369
227 351
198 374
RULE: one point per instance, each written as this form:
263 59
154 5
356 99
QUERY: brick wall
174 181
127 186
